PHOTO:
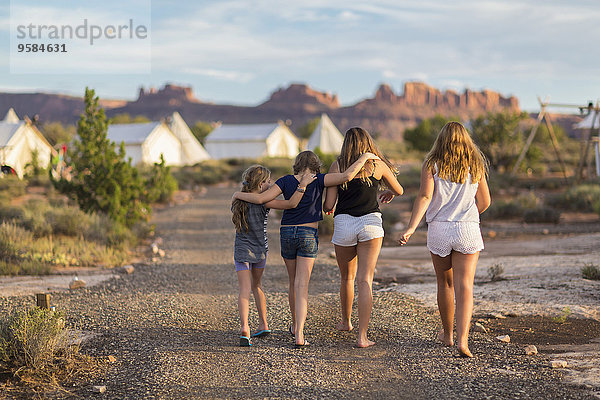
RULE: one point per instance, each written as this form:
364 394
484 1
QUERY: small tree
160 184
499 138
201 130
101 178
421 137
308 128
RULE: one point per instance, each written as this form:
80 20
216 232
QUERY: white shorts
349 230
464 237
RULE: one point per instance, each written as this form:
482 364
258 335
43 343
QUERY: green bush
582 198
590 271
11 186
30 339
160 184
542 215
390 218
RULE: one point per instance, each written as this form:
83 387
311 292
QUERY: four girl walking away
298 232
454 191
250 249
358 231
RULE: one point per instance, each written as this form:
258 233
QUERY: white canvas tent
252 141
192 151
592 118
18 140
326 137
145 142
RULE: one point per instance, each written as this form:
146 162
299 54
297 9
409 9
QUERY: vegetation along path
173 328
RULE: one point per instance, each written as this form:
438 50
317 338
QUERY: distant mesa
170 94
420 94
299 95
387 113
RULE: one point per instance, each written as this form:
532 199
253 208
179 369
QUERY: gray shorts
349 230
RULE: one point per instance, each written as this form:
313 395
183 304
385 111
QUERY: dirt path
173 328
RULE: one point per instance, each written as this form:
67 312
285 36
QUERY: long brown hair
356 142
252 178
456 155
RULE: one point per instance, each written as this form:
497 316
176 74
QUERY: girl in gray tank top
453 193
250 247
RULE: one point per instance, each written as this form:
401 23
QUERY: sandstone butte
386 113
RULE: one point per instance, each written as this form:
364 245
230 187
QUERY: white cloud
235 76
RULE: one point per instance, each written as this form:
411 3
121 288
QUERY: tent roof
131 133
326 137
586 123
7 130
232 133
11 116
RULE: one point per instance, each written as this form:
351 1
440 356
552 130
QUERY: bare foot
364 343
445 339
465 352
344 326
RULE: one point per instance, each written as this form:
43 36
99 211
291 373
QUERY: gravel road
173 327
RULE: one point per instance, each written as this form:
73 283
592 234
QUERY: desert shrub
495 272
69 221
205 173
13 241
590 271
160 184
31 338
11 213
583 198
542 215
12 186
513 208
36 348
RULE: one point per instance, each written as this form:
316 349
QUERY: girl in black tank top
358 198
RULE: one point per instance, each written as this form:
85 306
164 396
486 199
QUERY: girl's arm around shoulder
482 196
258 198
337 178
296 197
388 176
331 191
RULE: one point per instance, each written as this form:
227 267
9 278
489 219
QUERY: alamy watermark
87 37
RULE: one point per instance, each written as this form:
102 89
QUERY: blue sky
237 52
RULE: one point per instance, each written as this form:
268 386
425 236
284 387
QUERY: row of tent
146 142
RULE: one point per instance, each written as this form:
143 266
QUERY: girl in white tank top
453 193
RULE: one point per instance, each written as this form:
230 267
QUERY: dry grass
37 354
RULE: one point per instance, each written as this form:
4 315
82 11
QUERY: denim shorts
298 241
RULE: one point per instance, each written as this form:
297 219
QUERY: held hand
370 156
404 237
307 179
386 196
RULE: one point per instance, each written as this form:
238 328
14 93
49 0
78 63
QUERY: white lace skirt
464 237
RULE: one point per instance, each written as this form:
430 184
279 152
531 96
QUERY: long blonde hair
252 178
357 141
456 155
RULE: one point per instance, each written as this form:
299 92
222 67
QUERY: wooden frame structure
545 116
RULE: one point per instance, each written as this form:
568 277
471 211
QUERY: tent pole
555 145
530 138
